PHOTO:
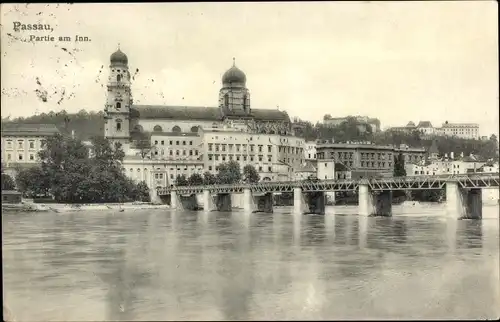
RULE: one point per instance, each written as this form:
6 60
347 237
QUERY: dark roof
410 124
118 57
29 129
200 113
307 167
174 134
270 115
234 75
424 124
176 112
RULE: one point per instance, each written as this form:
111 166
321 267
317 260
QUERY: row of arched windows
176 128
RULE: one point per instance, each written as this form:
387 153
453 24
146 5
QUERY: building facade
275 157
21 144
372 160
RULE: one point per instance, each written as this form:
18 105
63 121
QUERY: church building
181 136
124 119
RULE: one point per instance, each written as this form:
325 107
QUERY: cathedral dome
119 57
234 75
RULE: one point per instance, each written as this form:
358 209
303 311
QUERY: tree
142 192
250 174
209 178
7 182
32 181
229 173
181 180
399 165
195 179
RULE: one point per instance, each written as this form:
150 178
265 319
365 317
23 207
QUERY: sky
397 61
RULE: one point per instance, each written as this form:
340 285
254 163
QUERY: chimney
72 134
462 154
452 155
446 155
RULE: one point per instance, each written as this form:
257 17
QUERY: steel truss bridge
484 180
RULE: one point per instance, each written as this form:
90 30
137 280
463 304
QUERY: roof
341 167
15 129
199 113
270 115
176 112
410 124
424 124
10 192
307 167
174 134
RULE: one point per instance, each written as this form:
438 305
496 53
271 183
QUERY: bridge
463 193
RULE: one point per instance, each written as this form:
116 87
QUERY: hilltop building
460 130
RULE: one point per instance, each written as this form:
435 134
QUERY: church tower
234 97
118 101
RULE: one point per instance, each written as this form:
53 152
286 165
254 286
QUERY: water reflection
235 266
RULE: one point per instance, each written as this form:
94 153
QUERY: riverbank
65 208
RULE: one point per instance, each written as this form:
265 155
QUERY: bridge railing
302 183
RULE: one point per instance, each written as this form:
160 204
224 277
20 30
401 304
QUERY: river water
167 265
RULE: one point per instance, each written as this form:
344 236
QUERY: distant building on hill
365 122
459 130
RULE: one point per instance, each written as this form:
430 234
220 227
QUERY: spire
118 46
234 62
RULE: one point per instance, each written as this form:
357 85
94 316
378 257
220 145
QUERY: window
210 157
260 169
269 169
157 128
20 144
9 156
176 129
32 157
171 152
210 146
260 157
183 142
162 142
118 78
156 142
195 152
20 157
194 129
190 142
176 142
226 100
32 144
9 144
210 167
118 125
118 105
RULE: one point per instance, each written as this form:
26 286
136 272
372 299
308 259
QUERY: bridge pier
174 200
299 203
463 203
247 200
208 201
374 204
223 202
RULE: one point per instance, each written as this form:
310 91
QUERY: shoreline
65 208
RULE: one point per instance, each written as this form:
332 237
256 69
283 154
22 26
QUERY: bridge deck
398 183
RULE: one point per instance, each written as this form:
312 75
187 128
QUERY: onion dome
234 76
119 57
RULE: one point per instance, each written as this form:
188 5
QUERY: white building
21 144
444 166
275 157
310 151
461 130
